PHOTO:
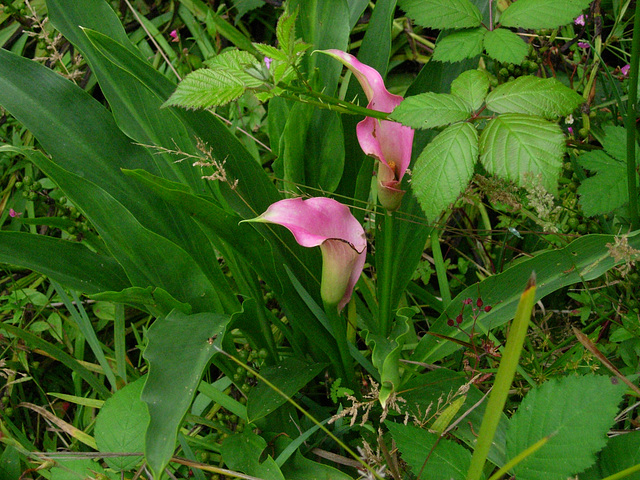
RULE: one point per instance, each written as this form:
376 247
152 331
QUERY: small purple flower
584 45
267 62
174 36
13 213
625 70
580 20
570 129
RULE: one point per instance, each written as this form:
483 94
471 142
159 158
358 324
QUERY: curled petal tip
330 225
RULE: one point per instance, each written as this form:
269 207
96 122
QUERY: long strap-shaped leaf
69 263
136 91
583 259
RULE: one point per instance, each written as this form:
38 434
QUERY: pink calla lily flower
326 223
387 141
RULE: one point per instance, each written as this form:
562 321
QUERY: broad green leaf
610 177
81 137
10 463
514 146
444 168
243 452
442 13
289 377
459 46
121 425
536 14
301 468
323 25
136 91
582 260
67 121
472 87
576 413
622 451
138 249
447 460
69 263
180 347
312 150
429 110
82 468
545 97
505 46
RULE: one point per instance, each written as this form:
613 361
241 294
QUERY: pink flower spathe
326 223
389 142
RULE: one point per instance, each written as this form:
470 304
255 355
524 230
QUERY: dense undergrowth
473 314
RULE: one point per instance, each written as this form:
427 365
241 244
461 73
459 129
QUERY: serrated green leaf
224 81
505 46
472 87
575 412
429 110
271 52
514 145
286 31
444 168
459 46
442 13
121 426
442 459
233 60
545 97
535 14
615 144
206 88
607 189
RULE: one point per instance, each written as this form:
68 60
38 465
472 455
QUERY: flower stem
344 367
630 122
385 278
441 269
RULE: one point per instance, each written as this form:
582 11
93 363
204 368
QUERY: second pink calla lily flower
387 141
326 223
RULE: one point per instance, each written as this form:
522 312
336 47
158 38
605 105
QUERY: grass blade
504 377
